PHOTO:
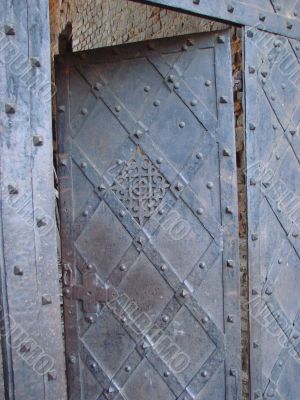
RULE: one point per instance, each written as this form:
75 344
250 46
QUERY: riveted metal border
234 12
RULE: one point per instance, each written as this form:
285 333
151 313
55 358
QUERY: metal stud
123 267
230 263
254 292
171 78
252 181
46 299
101 187
118 108
159 160
83 165
262 17
252 126
138 134
289 25
97 86
199 156
165 318
61 109
163 267
156 103
10 108
85 213
18 271
41 222
254 237
251 69
228 210
224 100
35 62
230 319
38 140
210 185
178 186
204 374
226 153
52 376
123 320
208 83
93 365
166 374
84 111
176 85
181 124
205 320
221 39
147 89
269 291
128 368
122 213
25 348
184 293
230 8
90 319
194 102
250 34
200 211
9 30
202 265
12 189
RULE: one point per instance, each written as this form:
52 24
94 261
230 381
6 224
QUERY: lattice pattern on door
273 150
148 198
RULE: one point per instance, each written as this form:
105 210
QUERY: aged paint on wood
32 338
149 220
272 74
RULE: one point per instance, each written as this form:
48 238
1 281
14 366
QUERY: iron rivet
279 261
277 157
202 265
295 234
97 86
194 102
118 162
52 376
128 368
18 271
208 83
123 267
181 124
9 30
118 108
250 34
184 293
230 319
230 263
228 210
252 127
83 165
179 186
292 132
224 100
254 237
230 8
199 156
289 25
25 348
262 17
123 319
204 374
200 211
263 81
226 153
221 39
232 372
144 346
122 213
264 73
10 108
93 365
35 62
204 320
101 187
147 89
251 70
159 160
277 43
254 292
90 319
46 299
61 109
210 185
38 140
166 374
156 103
12 189
171 78
269 291
138 134
85 213
161 211
176 85
163 267
84 111
90 267
296 336
280 363
41 222
165 318
283 85
273 98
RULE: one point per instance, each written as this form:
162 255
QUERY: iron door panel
149 220
272 120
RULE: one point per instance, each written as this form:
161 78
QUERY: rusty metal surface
272 73
148 206
30 320
277 16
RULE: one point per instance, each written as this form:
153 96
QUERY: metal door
149 221
272 74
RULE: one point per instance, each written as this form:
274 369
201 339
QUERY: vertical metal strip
229 216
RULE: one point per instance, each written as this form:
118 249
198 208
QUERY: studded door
149 221
272 74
